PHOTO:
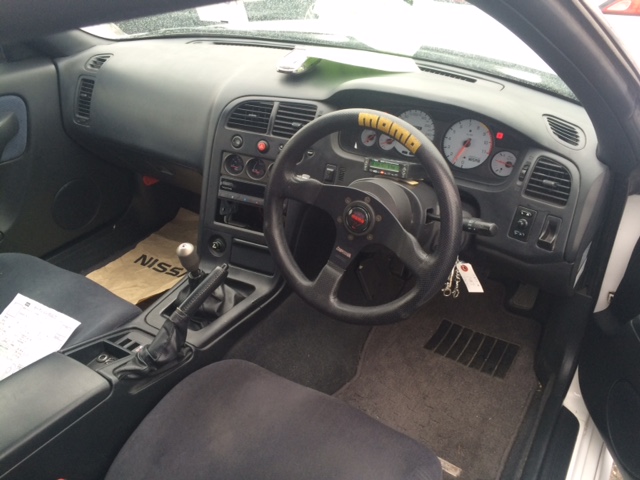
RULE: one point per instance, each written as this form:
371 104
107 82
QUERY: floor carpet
467 416
299 343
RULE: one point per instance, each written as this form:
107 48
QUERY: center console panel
247 141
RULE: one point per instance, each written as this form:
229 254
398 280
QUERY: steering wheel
362 219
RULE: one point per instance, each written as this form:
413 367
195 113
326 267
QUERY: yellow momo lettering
368 120
385 125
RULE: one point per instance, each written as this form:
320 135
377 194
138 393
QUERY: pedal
525 297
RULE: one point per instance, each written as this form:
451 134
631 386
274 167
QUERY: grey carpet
303 345
467 417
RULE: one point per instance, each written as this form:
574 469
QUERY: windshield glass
445 31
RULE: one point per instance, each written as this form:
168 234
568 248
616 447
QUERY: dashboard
215 122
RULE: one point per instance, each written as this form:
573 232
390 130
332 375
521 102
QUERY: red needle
465 145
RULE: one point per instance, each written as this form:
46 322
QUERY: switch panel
522 221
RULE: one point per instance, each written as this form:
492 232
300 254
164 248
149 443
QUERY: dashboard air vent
567 133
252 116
83 99
291 117
96 62
446 73
549 181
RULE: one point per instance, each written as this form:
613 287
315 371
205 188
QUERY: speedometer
468 143
423 122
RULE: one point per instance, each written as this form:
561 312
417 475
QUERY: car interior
363 298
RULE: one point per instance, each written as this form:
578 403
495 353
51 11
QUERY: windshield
446 31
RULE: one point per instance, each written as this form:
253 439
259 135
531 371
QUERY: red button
263 146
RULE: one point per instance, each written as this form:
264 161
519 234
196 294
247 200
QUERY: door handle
9 127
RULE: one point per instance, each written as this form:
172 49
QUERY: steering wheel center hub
358 218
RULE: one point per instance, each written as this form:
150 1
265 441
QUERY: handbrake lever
169 342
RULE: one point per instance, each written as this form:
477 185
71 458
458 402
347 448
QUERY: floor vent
472 349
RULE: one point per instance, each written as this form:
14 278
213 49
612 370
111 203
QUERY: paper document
30 331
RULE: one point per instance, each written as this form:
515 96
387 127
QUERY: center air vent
565 132
83 100
95 63
549 181
291 117
252 116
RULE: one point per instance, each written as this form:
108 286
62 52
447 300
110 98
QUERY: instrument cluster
475 148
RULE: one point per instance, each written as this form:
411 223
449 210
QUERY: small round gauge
467 143
386 142
234 164
368 137
502 163
256 168
423 122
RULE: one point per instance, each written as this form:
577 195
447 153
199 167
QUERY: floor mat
299 343
152 267
466 415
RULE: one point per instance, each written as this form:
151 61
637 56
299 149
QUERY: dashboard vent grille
446 73
252 116
567 133
95 63
549 181
291 117
83 100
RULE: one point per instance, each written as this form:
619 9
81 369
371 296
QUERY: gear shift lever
190 261
188 257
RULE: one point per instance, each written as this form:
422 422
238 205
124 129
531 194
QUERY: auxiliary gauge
234 164
502 163
467 143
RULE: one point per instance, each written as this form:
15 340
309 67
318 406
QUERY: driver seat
235 420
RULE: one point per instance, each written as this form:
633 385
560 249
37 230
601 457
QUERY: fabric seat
235 420
98 310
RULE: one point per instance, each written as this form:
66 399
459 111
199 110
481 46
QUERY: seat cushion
235 420
98 310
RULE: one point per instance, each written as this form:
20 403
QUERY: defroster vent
565 132
291 117
95 63
83 100
549 181
252 116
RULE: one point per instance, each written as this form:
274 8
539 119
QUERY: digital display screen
386 166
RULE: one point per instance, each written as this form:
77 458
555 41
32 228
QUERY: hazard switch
263 146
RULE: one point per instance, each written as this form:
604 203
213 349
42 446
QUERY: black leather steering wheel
362 219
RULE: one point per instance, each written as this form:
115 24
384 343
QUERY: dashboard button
237 141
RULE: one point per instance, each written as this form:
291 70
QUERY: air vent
252 116
95 63
291 117
549 181
83 100
446 73
565 132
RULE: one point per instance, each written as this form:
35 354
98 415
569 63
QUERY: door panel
610 359
51 190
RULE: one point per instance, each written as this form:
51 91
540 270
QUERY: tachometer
467 144
423 122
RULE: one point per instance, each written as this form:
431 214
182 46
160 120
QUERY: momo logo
156 265
343 252
386 125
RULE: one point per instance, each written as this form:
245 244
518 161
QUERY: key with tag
447 290
469 277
